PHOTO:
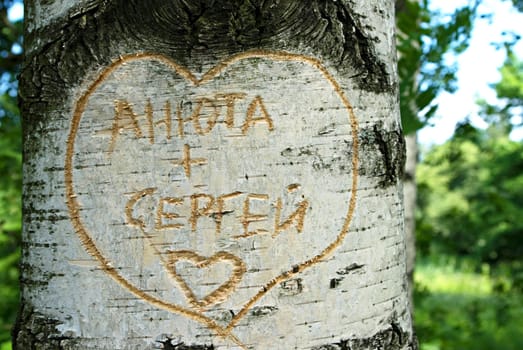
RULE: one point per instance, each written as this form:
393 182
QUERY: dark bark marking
311 155
348 269
330 28
291 287
392 148
35 331
258 311
356 46
334 282
390 166
392 338
167 344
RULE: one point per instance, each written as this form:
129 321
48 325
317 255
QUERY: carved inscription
203 119
211 182
201 205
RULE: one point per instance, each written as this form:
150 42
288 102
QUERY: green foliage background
10 222
469 280
10 172
426 42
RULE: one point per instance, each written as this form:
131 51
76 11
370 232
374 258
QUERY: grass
448 279
457 309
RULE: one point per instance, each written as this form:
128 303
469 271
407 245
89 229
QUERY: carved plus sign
187 161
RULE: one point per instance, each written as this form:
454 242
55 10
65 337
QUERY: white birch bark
224 184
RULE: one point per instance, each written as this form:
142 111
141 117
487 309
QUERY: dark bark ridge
35 331
193 33
169 343
388 168
392 338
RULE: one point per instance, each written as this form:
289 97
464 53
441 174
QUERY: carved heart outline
89 244
220 293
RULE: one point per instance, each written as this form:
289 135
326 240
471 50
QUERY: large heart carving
171 162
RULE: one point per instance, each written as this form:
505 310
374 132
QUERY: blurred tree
507 112
11 170
518 4
427 43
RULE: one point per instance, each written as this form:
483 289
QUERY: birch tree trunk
212 175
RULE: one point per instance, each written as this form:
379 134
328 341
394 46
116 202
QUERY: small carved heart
221 293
